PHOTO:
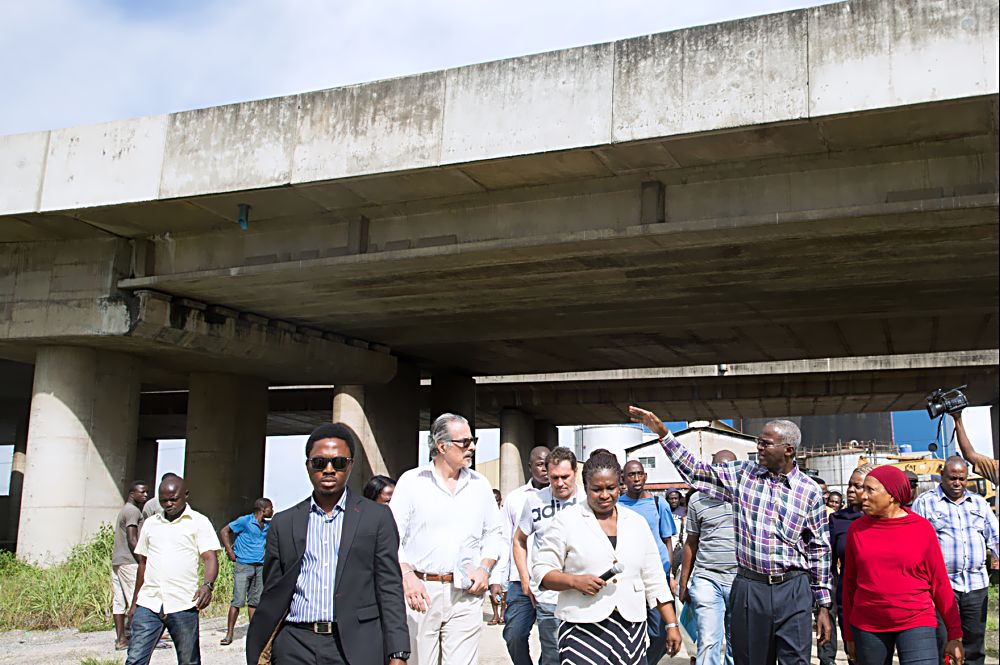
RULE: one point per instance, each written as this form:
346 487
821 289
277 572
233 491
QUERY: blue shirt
250 539
660 521
964 530
313 599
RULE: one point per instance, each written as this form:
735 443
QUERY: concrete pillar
18 464
224 453
146 453
994 409
80 445
546 434
453 393
517 435
386 418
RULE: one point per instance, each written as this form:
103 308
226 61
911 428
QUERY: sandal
494 621
226 641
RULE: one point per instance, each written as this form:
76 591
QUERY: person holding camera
606 567
984 465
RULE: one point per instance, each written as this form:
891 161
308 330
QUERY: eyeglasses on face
764 443
465 443
320 463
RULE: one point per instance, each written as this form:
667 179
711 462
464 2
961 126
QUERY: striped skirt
614 641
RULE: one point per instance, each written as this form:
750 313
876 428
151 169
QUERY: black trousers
300 646
771 623
827 653
972 608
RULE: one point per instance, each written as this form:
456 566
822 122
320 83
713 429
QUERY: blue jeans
147 627
710 602
914 646
518 619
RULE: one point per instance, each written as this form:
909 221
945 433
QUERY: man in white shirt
448 523
171 545
540 508
519 615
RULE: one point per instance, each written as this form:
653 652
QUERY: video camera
946 401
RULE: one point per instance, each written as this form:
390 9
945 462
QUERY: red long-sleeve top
894 577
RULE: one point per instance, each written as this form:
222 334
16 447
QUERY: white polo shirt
173 551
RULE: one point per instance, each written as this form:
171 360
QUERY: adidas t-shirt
538 512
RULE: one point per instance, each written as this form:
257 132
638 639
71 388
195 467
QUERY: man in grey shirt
710 549
124 565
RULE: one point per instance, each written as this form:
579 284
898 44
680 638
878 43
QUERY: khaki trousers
448 633
122 587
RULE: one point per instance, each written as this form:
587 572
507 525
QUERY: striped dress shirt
313 597
780 520
964 530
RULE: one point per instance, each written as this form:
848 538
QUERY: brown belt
446 578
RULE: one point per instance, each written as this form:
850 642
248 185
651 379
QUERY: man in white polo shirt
167 595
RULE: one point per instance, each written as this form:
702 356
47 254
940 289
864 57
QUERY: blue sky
72 62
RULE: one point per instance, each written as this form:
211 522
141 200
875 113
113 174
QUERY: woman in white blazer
603 621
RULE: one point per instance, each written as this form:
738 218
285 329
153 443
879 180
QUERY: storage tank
615 438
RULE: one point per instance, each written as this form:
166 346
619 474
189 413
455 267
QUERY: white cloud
69 62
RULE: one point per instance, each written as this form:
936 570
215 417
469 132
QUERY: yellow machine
932 466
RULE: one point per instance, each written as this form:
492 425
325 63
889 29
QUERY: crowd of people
760 556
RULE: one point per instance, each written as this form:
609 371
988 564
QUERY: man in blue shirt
661 522
966 529
247 552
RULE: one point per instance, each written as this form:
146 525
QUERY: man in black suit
333 593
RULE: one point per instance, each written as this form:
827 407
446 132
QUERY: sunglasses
320 463
465 443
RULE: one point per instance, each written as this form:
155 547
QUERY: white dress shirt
574 543
435 525
173 551
505 571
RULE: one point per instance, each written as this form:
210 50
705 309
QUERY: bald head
536 466
956 463
723 456
173 495
954 476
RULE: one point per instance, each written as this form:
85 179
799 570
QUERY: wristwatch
400 655
210 585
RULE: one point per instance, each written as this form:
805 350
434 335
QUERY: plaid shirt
964 530
781 522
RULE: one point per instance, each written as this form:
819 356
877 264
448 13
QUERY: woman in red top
894 578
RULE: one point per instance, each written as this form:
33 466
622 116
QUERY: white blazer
574 543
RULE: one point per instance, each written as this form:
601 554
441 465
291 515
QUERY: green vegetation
76 593
992 621
100 661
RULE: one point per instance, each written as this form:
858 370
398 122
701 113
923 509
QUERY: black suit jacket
368 592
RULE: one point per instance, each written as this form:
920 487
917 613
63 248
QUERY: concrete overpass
814 184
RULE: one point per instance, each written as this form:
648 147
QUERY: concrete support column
546 434
80 446
224 454
146 453
517 435
18 464
453 393
386 418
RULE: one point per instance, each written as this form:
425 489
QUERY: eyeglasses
465 443
764 443
320 463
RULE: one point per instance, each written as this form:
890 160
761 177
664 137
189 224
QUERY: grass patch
77 592
992 621
100 661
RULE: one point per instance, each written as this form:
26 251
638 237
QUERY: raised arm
717 481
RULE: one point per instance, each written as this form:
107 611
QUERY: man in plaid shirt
965 527
782 543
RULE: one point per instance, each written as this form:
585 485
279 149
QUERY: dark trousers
827 653
972 608
771 623
518 619
914 646
300 646
148 626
